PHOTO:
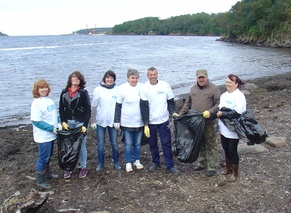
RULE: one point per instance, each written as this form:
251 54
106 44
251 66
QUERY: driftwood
29 204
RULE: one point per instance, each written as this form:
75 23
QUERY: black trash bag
254 133
69 146
189 130
247 128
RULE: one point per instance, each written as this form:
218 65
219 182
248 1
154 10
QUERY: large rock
243 148
276 141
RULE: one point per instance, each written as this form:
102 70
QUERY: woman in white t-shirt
44 120
232 105
102 117
128 117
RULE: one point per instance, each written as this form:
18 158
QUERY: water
24 59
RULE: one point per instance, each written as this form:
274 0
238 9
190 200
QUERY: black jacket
78 108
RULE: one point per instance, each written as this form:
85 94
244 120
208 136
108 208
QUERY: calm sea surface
24 59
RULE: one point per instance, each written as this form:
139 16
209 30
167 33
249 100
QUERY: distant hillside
2 34
104 30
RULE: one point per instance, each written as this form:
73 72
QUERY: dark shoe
83 173
67 174
227 167
197 168
40 181
234 170
117 166
48 174
173 170
210 173
154 167
100 167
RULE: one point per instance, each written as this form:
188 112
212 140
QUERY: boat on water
95 34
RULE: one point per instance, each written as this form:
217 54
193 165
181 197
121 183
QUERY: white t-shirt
129 97
157 96
105 100
43 109
236 101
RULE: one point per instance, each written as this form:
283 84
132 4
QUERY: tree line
248 21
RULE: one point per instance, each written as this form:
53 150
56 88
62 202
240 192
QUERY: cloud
54 17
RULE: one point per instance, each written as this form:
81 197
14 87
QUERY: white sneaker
128 167
138 165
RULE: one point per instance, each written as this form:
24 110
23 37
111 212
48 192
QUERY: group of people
136 109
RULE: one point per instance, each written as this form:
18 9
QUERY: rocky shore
264 183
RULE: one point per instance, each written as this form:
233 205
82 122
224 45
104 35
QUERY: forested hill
2 34
264 22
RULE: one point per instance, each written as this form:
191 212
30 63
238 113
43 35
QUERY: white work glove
116 125
60 127
94 126
55 131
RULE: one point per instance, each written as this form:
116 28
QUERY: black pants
230 149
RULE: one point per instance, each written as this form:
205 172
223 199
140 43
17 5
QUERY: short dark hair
109 73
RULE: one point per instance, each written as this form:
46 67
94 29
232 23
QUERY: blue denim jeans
45 151
165 138
83 153
132 142
100 136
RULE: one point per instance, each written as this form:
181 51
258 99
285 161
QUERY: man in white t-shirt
157 102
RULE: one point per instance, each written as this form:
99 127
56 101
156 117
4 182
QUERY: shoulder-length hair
237 80
40 84
109 73
80 76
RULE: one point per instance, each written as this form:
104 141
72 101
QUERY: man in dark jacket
204 98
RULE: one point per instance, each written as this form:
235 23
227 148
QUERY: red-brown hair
237 80
40 84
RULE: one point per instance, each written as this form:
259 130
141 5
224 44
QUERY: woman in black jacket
75 111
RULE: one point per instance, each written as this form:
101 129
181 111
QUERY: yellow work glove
65 125
147 131
206 114
83 129
175 115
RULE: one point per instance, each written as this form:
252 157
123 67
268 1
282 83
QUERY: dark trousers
165 138
230 149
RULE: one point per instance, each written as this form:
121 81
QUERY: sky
55 17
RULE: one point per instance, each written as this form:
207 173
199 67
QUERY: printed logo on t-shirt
161 92
229 102
51 108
